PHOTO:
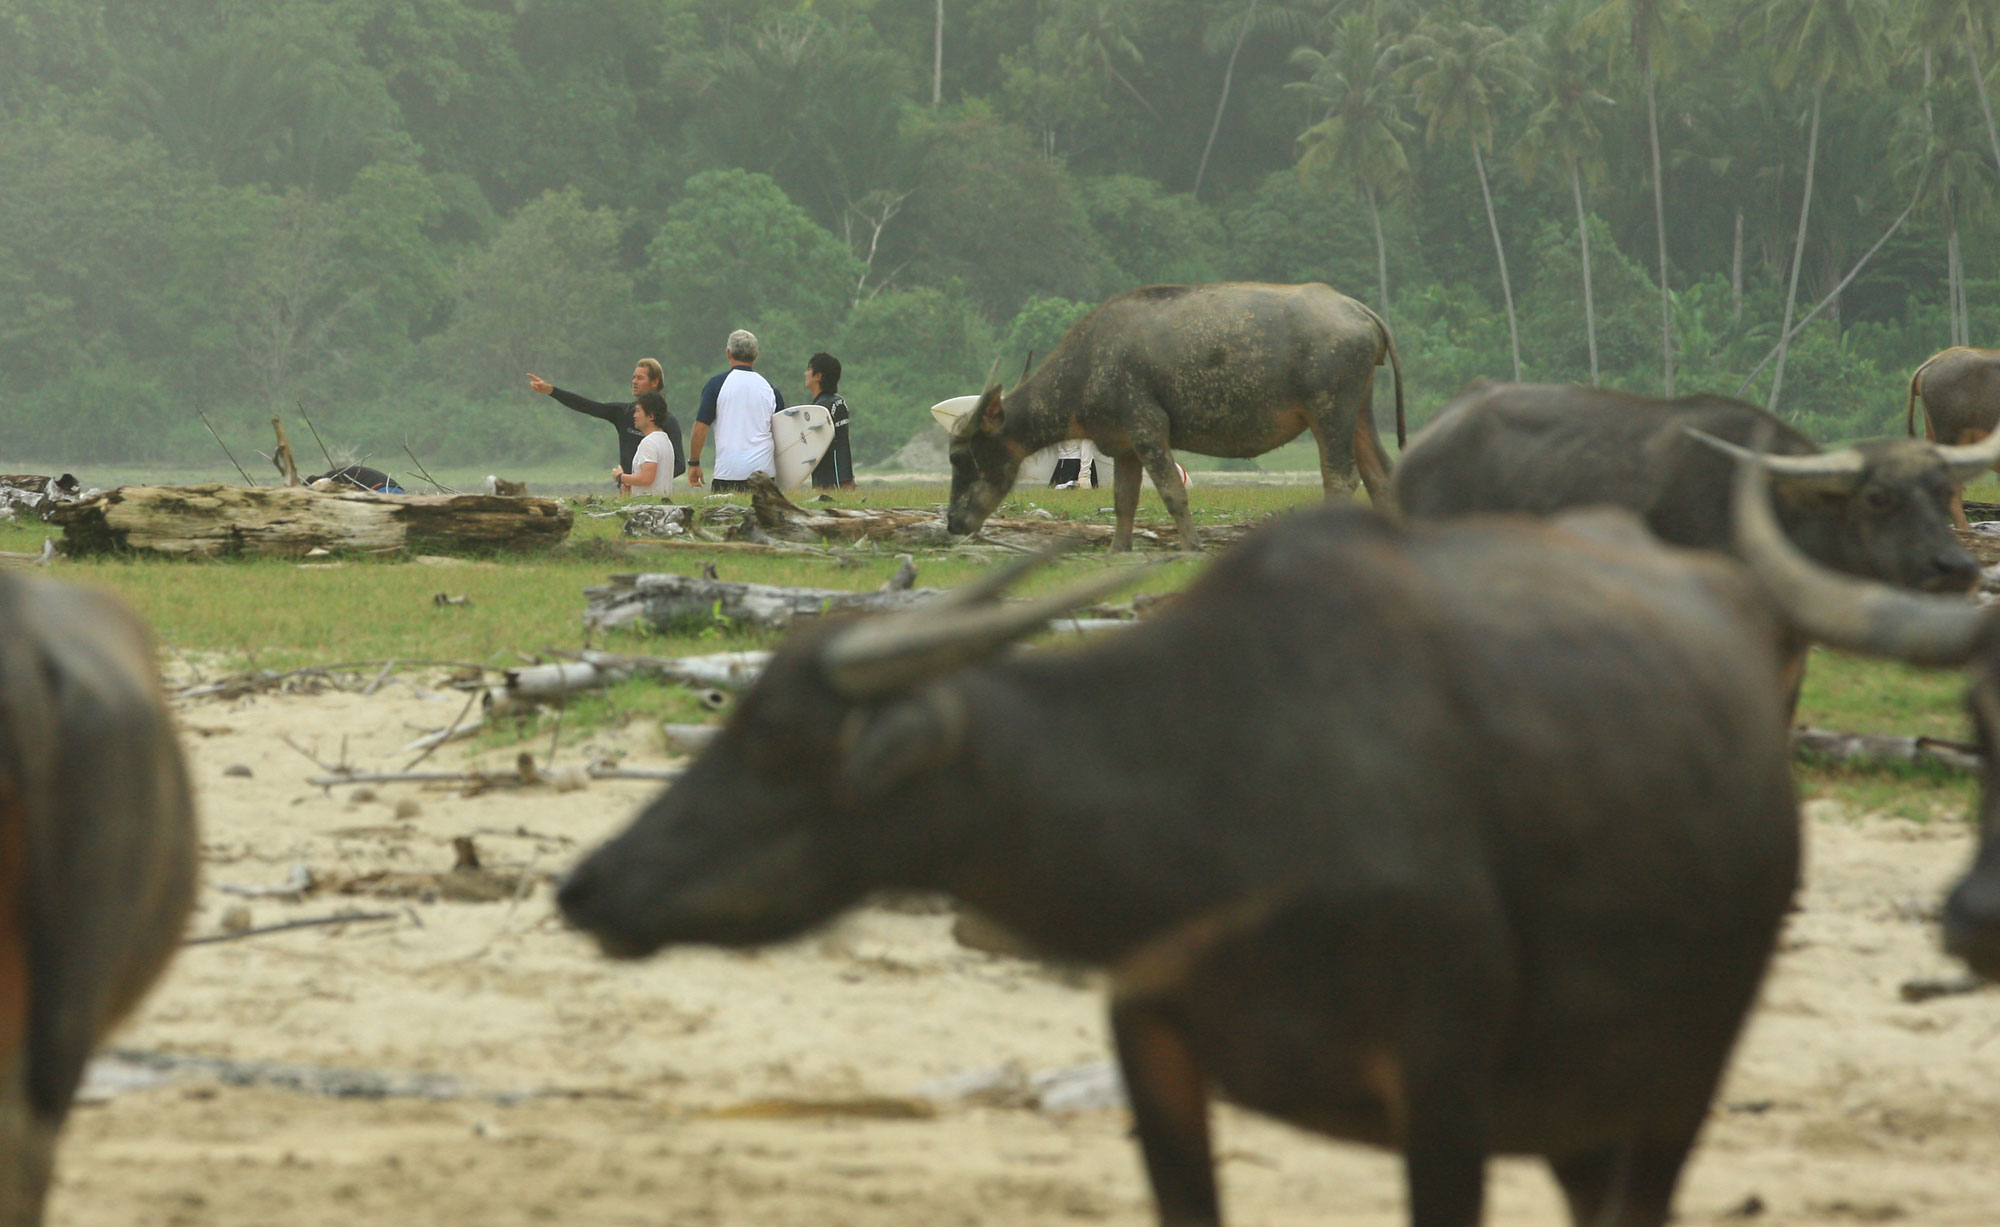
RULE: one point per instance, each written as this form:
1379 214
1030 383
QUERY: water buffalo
1455 839
1924 630
97 855
1231 369
1960 388
1879 509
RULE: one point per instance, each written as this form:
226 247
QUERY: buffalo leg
1630 1185
1336 453
1444 1150
27 1152
1170 1112
1173 492
1125 478
1965 438
1371 459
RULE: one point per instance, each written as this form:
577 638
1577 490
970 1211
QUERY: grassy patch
281 614
1859 695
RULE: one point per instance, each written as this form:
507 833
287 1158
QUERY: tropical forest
385 213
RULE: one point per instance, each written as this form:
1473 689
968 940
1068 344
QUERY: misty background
386 211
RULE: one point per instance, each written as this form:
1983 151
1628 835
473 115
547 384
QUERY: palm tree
1566 130
1946 25
1102 31
1457 71
1644 27
1231 31
1814 43
1361 131
1956 180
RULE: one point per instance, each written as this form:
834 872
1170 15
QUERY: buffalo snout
1953 570
590 899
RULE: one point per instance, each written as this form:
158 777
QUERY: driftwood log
211 521
670 601
775 517
725 670
674 602
1879 749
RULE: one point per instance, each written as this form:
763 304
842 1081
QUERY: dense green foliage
388 211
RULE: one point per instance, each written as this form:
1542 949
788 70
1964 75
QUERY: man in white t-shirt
737 405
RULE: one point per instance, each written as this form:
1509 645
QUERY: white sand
1866 1109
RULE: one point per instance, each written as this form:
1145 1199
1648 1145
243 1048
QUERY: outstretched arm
614 411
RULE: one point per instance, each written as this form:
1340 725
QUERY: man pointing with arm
647 380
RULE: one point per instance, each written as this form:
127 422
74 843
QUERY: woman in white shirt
653 460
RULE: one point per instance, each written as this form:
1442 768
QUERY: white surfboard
947 412
800 435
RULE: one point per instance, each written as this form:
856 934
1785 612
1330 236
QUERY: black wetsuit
836 468
619 414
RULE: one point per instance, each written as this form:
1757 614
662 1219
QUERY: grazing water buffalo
1458 839
1924 630
1879 509
97 855
1232 369
1960 388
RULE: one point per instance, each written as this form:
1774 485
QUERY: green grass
1858 695
279 614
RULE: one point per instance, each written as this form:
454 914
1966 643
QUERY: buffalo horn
1971 460
1837 609
991 586
886 654
1835 472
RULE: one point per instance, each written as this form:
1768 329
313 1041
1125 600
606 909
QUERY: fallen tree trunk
667 601
774 516
210 521
726 670
1877 749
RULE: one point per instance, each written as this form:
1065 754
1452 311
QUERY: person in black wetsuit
647 381
836 468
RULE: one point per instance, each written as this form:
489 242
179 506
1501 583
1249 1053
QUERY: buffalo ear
887 745
992 414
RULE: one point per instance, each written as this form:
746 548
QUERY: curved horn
1973 459
889 653
1839 610
1835 472
992 585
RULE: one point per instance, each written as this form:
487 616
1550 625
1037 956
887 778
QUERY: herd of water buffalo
1458 834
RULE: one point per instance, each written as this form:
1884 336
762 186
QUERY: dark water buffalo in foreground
1231 369
1960 388
1879 509
1460 840
97 855
1924 630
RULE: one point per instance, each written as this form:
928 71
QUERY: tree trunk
1583 242
213 521
1500 253
1660 232
1985 105
1736 270
1961 327
1381 248
937 58
1823 303
1228 75
1798 255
